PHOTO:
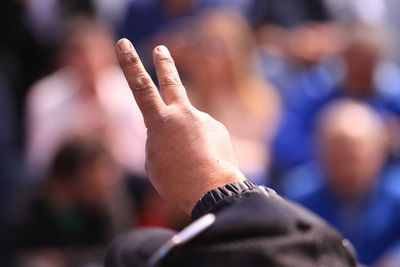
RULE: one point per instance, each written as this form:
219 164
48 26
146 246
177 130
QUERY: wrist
214 180
218 198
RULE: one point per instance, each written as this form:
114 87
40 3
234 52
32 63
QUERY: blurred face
361 61
351 162
221 50
97 182
305 43
90 54
309 42
209 63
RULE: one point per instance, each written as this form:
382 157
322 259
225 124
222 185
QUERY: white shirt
57 111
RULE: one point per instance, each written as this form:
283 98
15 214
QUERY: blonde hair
239 45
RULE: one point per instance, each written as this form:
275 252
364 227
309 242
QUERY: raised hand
188 153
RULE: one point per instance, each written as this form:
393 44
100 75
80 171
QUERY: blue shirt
306 92
372 223
145 18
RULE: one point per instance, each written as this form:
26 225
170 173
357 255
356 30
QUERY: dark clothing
253 227
290 13
8 160
41 226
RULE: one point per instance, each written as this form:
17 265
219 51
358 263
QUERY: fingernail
124 45
163 50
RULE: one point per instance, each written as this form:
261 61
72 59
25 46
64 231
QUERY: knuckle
128 59
170 80
158 119
161 120
203 116
142 82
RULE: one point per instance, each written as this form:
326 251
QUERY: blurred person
85 97
352 151
304 55
191 163
381 12
365 50
80 205
224 80
297 33
301 40
364 75
45 18
146 19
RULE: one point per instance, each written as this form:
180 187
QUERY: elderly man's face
351 160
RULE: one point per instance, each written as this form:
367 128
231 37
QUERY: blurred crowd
308 89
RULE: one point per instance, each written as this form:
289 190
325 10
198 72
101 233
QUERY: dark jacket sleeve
256 227
221 197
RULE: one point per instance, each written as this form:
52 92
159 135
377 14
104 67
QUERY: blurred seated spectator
87 96
382 12
352 151
80 205
223 80
366 77
304 54
300 40
145 19
293 35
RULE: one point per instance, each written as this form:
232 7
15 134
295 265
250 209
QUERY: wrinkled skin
188 153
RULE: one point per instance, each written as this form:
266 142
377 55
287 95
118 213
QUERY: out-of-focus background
309 90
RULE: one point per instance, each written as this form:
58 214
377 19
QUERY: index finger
145 92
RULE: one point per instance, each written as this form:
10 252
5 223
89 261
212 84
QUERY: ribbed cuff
213 197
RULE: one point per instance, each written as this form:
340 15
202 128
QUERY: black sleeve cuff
212 200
